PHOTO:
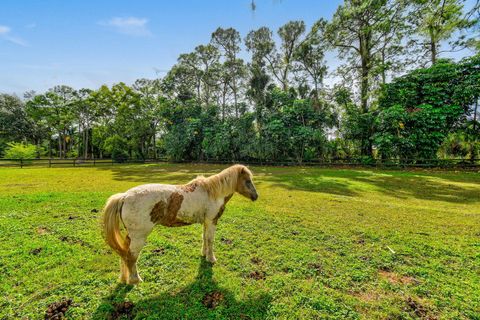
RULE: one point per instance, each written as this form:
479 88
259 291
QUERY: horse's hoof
211 259
134 280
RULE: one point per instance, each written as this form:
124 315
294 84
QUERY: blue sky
89 43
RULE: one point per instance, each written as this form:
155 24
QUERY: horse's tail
111 224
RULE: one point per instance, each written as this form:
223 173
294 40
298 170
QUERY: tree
291 35
55 109
361 30
232 69
438 20
278 61
310 54
14 122
420 109
85 117
151 103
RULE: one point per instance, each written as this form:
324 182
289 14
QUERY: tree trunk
472 145
64 143
433 50
79 149
86 142
154 143
475 116
366 149
49 147
59 145
384 75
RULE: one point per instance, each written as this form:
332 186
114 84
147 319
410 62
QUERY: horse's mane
222 183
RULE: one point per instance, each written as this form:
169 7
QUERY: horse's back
147 204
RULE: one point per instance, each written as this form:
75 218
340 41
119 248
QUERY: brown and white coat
202 200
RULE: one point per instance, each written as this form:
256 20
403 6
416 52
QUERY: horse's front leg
208 237
204 242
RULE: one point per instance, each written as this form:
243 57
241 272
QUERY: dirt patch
226 241
316 267
367 296
72 217
257 275
256 260
94 210
395 278
57 310
123 310
360 241
72 240
158 251
213 299
42 230
419 309
295 232
36 251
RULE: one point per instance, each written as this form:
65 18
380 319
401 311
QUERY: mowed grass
319 243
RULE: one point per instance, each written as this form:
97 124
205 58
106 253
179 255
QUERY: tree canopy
394 96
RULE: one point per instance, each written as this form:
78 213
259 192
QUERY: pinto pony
202 200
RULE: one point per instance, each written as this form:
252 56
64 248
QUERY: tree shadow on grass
402 185
424 188
434 186
161 173
202 299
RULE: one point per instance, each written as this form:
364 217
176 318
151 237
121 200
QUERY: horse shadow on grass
202 299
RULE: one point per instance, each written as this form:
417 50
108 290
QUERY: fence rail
391 163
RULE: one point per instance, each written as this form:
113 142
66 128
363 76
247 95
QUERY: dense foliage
214 105
419 110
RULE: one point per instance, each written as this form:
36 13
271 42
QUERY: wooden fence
391 163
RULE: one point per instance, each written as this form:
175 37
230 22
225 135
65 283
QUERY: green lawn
319 243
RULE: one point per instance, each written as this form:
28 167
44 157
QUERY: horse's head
245 184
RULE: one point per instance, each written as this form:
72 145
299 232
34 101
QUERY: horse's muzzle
254 196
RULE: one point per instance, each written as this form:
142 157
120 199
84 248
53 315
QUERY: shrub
18 150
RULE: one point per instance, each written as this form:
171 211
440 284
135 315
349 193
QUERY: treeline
214 105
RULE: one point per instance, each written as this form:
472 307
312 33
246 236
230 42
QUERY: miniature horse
202 200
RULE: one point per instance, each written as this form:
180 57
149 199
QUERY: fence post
94 162
49 162
21 163
74 162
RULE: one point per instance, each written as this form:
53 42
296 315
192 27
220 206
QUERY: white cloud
5 33
131 26
4 30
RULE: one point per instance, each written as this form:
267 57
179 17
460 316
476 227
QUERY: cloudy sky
89 43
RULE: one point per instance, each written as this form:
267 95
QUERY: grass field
319 243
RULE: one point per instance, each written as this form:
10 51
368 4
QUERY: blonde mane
222 183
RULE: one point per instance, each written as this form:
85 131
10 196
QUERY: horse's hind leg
137 241
123 271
